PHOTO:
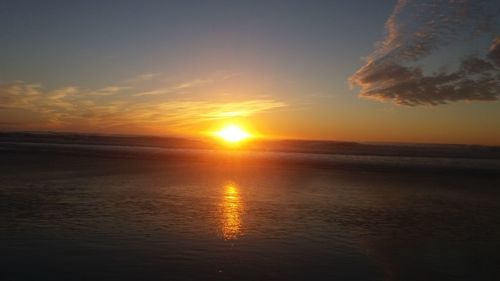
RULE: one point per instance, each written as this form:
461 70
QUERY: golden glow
231 209
232 134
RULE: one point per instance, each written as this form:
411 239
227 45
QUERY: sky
375 71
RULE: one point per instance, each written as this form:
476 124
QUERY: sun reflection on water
232 207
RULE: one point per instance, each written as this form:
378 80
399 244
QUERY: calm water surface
86 218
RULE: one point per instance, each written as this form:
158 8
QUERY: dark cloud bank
417 30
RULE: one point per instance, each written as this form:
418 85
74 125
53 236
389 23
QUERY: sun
232 134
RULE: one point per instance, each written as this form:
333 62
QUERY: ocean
103 212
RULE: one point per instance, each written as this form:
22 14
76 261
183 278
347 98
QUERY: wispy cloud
114 106
241 109
19 94
154 92
142 78
415 31
175 88
110 90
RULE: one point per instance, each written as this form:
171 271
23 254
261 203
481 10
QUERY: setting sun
232 134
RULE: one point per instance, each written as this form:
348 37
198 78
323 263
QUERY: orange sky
325 70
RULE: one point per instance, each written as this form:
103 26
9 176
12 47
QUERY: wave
231 157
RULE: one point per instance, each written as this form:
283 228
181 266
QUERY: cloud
175 88
18 94
240 109
142 78
113 107
154 92
494 52
110 90
193 83
417 31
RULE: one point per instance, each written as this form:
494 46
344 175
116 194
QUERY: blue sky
283 68
92 43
